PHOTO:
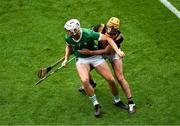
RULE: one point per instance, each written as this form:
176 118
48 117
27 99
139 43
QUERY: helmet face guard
73 26
111 31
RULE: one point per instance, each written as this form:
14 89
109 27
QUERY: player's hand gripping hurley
47 75
44 71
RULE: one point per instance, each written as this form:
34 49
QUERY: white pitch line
171 7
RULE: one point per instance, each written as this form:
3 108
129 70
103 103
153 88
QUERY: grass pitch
32 36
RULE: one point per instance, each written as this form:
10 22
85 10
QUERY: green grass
32 36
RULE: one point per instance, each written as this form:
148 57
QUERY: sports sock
94 100
92 81
117 99
130 100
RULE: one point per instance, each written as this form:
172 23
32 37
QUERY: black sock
130 102
92 82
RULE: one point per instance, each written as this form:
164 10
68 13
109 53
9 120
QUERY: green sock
94 100
116 99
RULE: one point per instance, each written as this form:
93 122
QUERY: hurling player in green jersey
111 29
78 38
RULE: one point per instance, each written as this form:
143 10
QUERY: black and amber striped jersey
118 38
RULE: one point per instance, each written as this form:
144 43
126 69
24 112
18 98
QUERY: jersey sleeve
95 35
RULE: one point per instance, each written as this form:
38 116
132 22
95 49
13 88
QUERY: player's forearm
97 52
113 45
68 51
107 50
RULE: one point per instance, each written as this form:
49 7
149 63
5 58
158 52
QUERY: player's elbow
108 39
104 37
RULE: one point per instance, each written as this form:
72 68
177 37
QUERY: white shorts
111 57
93 60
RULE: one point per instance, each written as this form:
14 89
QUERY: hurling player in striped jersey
111 29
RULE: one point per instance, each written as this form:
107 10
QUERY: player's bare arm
107 50
113 45
68 51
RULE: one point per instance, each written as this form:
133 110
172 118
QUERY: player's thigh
117 66
104 70
83 71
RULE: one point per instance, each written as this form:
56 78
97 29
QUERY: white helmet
71 25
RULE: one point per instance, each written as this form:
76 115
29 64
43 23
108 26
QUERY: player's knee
85 81
111 79
120 77
112 84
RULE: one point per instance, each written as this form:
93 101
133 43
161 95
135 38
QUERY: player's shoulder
67 38
119 39
119 35
99 27
87 31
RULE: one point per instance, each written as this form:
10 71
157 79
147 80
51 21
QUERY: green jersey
86 41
